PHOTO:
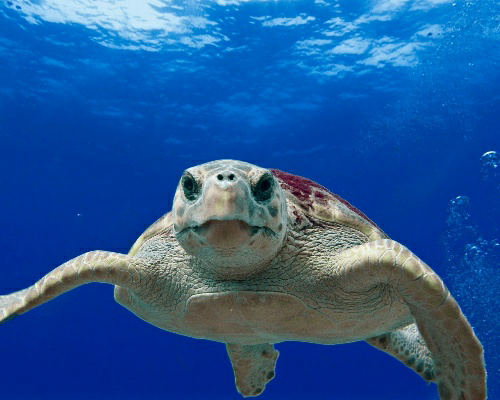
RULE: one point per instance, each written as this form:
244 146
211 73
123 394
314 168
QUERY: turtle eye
190 187
263 190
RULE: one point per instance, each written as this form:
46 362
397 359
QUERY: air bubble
459 211
490 167
460 201
474 256
471 245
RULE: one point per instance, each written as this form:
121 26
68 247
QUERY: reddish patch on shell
298 218
302 189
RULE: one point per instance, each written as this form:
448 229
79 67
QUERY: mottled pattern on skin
251 258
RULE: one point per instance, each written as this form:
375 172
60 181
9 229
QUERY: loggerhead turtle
251 256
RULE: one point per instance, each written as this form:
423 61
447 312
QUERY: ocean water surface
391 104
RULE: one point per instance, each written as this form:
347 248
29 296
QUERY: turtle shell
162 226
317 202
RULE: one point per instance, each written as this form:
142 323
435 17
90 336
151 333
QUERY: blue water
389 103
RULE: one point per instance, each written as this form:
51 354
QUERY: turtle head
231 215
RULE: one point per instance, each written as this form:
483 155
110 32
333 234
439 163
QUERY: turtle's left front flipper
457 354
253 366
94 266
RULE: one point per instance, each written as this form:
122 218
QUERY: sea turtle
250 257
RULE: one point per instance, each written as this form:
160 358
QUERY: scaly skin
252 263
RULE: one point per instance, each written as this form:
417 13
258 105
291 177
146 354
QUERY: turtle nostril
226 177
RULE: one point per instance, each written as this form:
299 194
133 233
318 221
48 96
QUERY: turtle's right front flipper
94 266
8 303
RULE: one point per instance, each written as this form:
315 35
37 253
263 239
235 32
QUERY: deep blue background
389 104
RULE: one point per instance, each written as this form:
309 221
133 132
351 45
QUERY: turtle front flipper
457 354
253 366
408 346
94 266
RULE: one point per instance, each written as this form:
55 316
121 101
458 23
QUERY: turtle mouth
226 233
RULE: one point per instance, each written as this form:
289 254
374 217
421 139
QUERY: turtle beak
223 199
225 203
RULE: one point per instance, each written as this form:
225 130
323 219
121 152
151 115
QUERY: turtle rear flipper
253 366
95 266
408 346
